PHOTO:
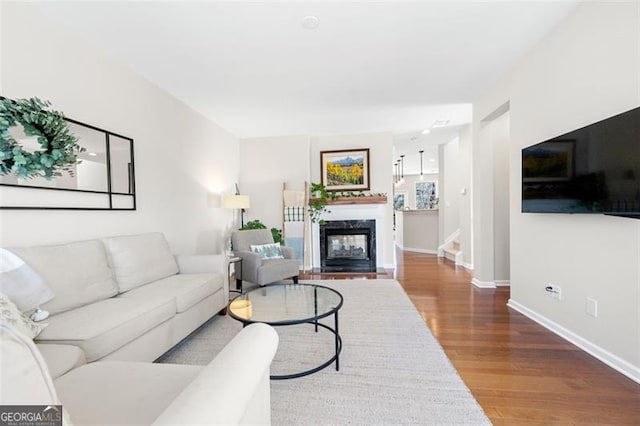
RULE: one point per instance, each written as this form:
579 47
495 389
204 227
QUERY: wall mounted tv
595 169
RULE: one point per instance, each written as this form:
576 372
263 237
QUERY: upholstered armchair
263 264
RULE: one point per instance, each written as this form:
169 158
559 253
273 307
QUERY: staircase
451 249
454 253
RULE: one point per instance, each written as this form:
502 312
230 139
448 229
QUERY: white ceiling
370 66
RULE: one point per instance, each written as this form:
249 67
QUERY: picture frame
345 170
400 200
426 195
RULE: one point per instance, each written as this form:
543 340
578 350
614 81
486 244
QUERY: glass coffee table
291 304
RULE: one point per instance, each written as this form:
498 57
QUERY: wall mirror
103 179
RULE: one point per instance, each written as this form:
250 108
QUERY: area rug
392 369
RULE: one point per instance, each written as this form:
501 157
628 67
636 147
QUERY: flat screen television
595 169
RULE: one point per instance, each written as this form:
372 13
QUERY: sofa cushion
132 393
78 273
61 358
140 259
107 325
185 289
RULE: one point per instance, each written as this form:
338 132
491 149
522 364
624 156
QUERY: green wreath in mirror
58 146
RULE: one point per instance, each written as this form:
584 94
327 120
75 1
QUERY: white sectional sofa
123 298
123 302
233 389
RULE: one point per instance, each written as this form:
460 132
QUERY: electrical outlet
592 307
553 291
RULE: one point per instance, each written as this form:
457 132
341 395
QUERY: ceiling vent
439 123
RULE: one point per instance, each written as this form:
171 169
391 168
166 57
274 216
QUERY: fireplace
348 246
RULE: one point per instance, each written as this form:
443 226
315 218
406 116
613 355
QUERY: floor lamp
236 202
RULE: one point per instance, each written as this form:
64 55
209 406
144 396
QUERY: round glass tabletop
282 304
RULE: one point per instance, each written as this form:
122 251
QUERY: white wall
585 71
449 204
491 199
267 163
180 156
483 252
500 139
466 166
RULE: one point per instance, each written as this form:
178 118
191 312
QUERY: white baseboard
613 361
483 284
503 283
467 266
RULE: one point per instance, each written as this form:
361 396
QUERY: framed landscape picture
345 170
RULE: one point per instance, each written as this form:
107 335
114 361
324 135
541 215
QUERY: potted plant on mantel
318 202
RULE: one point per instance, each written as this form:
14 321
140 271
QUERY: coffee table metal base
335 357
255 306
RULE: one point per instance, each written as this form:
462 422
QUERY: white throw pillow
268 251
10 313
21 283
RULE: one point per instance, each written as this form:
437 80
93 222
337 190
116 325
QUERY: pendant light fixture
421 175
402 167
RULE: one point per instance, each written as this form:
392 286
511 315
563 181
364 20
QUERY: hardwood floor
519 372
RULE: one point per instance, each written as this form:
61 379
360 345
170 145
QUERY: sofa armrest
201 263
205 264
234 388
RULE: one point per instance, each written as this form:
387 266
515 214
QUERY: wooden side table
235 261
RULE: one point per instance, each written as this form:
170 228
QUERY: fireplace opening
348 246
351 246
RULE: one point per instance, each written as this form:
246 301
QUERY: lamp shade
236 202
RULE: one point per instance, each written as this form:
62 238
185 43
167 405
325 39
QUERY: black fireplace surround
348 246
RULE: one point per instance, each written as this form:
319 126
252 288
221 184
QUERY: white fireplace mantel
352 212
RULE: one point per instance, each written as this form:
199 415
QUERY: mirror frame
109 193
